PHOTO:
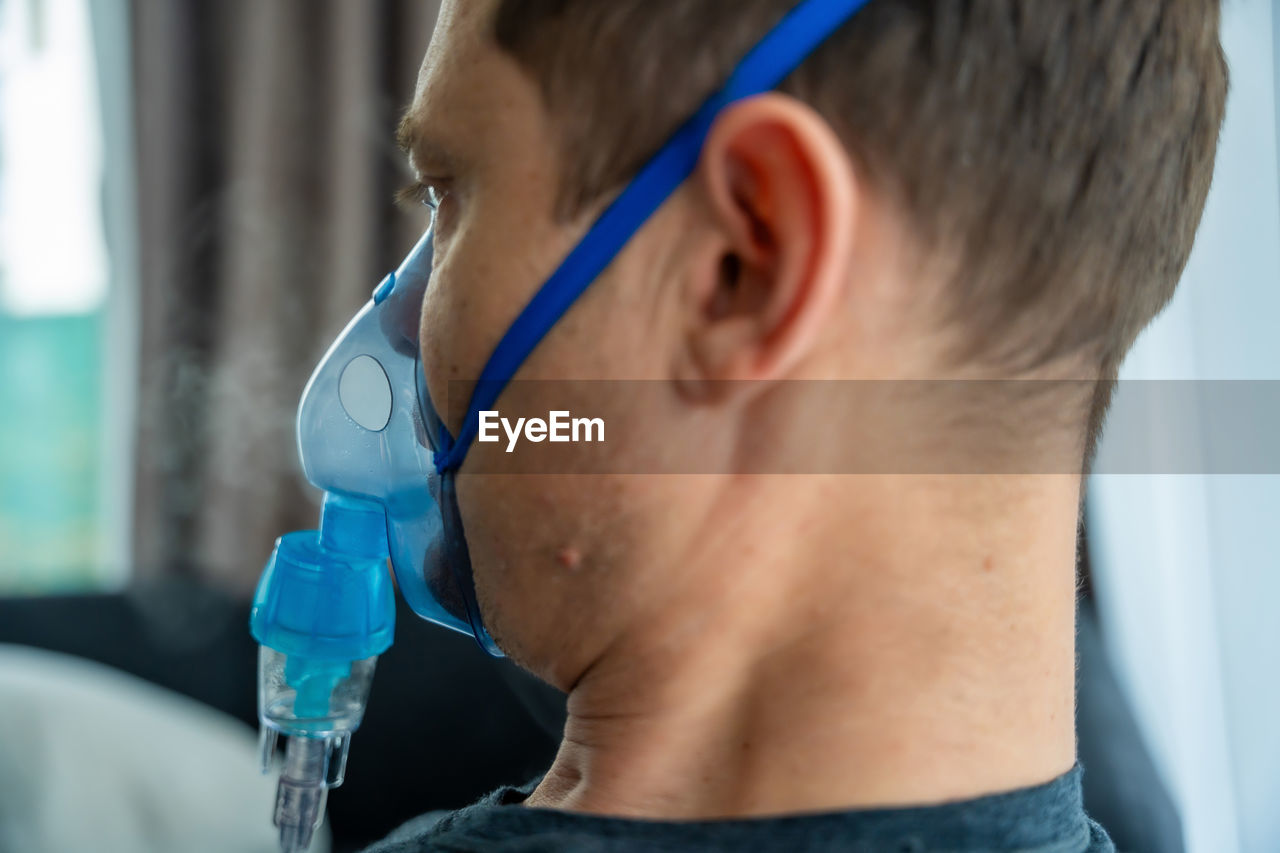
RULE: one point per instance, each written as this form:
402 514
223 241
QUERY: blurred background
196 196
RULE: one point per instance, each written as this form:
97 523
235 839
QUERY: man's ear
779 189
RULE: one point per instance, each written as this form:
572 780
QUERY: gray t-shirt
1048 818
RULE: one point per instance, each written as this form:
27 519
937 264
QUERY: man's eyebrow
407 132
424 152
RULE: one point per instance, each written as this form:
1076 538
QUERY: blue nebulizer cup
324 611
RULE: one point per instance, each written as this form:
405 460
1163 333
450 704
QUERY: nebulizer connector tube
323 612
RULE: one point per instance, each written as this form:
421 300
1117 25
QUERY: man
842 618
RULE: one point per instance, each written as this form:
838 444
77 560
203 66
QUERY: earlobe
777 186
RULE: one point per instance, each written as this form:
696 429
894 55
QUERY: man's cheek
503 538
517 526
445 335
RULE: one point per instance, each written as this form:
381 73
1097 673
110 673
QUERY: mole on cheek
569 557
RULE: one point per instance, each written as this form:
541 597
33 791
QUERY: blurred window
54 282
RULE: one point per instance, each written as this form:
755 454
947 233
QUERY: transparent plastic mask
366 429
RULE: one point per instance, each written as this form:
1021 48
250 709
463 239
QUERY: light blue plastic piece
383 290
327 596
315 681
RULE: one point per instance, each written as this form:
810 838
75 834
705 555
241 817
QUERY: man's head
1059 153
996 188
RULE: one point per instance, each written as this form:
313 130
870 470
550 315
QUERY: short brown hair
1059 150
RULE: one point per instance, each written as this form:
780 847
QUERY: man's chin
502 619
530 647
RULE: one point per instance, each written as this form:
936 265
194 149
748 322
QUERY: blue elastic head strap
779 53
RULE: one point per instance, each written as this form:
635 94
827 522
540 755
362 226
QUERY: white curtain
1187 568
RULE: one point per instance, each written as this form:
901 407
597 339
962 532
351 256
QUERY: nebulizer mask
371 439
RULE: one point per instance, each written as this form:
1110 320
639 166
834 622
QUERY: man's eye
429 194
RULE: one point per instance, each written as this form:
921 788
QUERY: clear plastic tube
302 792
315 705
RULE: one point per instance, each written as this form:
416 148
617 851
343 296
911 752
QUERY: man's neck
917 649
